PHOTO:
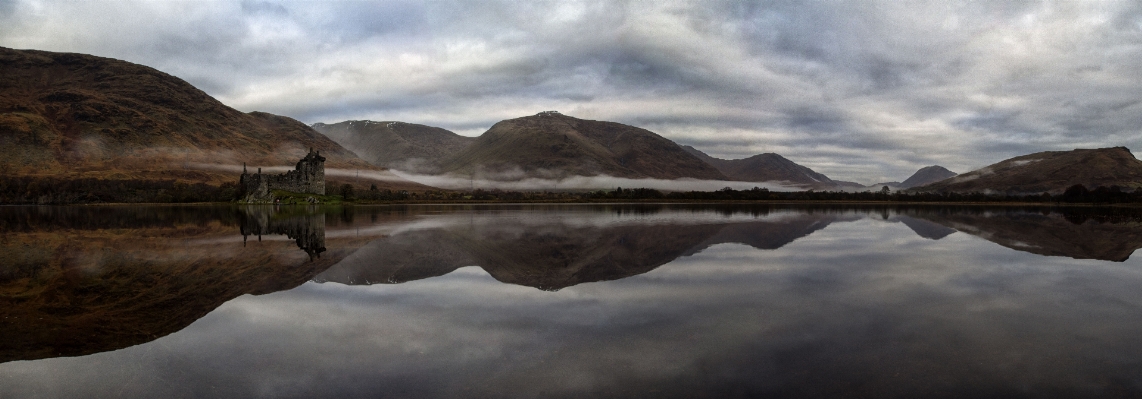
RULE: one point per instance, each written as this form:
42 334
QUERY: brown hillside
552 145
1050 171
398 145
765 168
70 115
927 175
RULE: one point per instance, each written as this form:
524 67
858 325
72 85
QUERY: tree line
40 190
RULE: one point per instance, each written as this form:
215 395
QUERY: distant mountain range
765 167
398 145
66 115
553 145
545 145
69 115
1050 171
926 175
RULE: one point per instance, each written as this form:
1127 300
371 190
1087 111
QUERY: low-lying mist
583 183
571 183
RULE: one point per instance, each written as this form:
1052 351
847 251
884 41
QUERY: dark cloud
7 8
890 86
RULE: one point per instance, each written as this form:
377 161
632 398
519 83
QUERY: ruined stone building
308 177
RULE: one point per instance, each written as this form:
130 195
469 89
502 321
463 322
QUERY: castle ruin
308 177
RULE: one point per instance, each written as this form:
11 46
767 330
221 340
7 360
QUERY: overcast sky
866 91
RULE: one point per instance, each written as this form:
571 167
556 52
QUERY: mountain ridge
553 145
394 144
927 175
1049 171
766 167
69 115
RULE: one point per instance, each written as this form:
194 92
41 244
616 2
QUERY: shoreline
629 202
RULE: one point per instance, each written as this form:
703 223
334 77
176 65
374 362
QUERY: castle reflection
303 224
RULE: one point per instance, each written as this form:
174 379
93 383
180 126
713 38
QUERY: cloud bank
859 90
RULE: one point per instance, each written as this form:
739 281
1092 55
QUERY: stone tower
307 177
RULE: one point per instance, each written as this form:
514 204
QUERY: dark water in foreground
569 301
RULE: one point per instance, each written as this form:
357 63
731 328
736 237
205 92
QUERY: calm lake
551 301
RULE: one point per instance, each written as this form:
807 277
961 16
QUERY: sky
864 91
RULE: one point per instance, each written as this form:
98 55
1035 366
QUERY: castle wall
308 177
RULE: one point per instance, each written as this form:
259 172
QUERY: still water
569 301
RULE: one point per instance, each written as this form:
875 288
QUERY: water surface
569 301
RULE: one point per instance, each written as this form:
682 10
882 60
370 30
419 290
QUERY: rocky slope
76 116
397 145
1050 171
767 167
552 145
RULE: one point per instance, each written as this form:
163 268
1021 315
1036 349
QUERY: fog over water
598 182
457 182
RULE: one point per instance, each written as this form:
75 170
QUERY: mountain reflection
553 252
82 280
1111 235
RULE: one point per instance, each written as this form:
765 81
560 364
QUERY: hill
767 167
397 145
73 116
1050 171
552 145
927 175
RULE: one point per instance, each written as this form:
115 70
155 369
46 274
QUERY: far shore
628 202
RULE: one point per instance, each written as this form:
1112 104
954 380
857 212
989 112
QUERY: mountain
927 175
1049 171
397 145
767 167
65 115
552 145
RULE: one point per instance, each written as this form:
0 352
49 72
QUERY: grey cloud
260 7
902 84
7 8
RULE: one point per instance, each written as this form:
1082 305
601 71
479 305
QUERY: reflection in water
557 250
305 226
926 229
1075 233
79 280
684 301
